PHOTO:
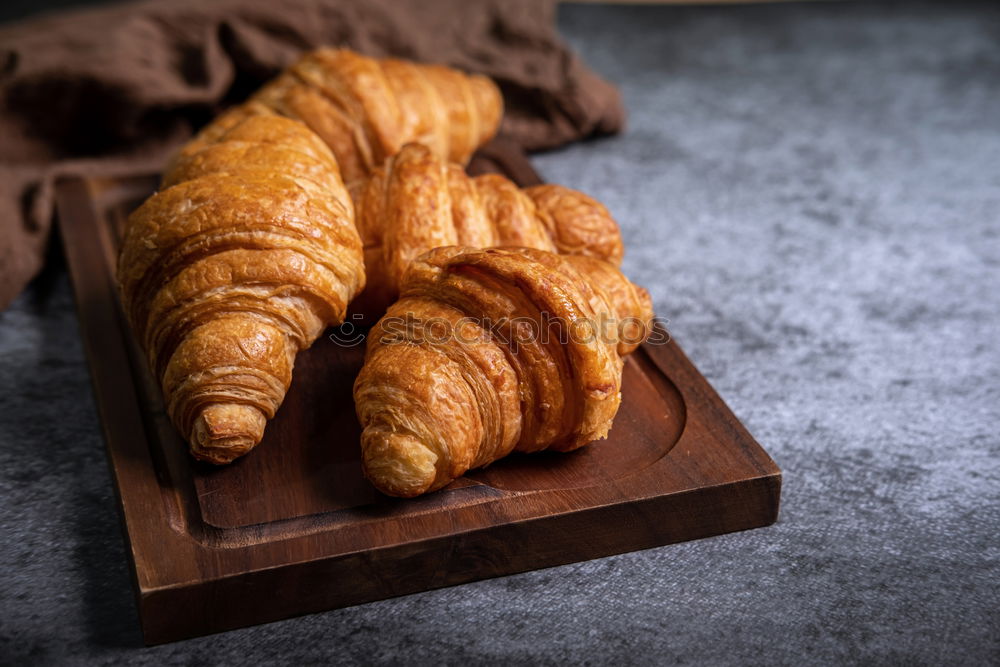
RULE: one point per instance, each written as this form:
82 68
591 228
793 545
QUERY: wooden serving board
294 528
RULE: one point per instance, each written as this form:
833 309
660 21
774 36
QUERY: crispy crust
244 257
457 374
366 109
417 201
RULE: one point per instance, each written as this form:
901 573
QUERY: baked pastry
417 201
492 351
243 258
366 109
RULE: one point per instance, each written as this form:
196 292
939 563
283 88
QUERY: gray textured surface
812 193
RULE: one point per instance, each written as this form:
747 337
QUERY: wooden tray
293 527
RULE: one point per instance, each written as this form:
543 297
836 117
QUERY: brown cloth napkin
113 91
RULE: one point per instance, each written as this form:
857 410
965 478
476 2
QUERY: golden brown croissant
367 109
491 351
244 257
417 201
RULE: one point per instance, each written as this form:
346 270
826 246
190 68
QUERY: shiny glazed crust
417 201
458 375
243 258
366 109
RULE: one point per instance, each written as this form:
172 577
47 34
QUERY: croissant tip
398 464
224 432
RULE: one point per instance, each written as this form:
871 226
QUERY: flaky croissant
491 351
417 201
366 109
244 257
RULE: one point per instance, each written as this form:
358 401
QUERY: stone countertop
812 195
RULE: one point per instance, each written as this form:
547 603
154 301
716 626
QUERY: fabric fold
114 90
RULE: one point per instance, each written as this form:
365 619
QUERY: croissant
243 258
492 351
417 201
367 109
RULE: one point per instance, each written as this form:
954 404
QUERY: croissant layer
242 259
488 352
417 201
366 109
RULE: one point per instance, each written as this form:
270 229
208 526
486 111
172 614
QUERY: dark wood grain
294 528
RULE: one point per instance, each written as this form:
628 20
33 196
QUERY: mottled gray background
812 194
